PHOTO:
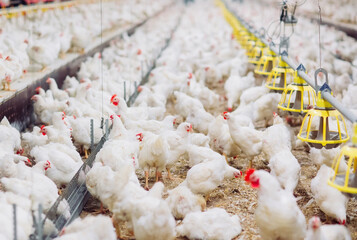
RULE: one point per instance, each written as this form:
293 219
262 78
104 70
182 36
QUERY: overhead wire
320 22
101 60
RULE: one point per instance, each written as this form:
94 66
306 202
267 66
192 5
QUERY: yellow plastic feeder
298 97
248 41
346 181
257 52
322 125
281 75
266 63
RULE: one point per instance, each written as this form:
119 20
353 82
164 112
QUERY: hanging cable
320 22
101 57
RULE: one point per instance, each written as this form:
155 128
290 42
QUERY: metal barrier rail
325 94
76 194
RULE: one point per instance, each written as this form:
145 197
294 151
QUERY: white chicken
105 184
252 94
43 51
286 168
198 154
326 156
220 137
35 186
60 131
235 85
64 160
44 109
10 140
81 132
200 120
182 201
330 200
11 165
57 93
316 231
264 107
244 135
90 227
34 138
24 221
153 153
152 218
204 177
277 214
213 224
185 105
277 137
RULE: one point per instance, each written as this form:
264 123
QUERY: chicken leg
225 155
6 86
146 180
250 162
157 175
169 173
101 210
117 228
207 197
44 69
85 153
62 55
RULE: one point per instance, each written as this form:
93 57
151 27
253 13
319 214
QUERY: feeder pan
298 97
346 181
257 52
266 63
322 136
280 75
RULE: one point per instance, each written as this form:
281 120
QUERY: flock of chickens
176 122
36 40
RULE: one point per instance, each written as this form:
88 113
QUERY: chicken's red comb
249 172
342 222
38 88
112 116
224 115
139 52
111 100
42 127
8 58
206 68
189 75
140 137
